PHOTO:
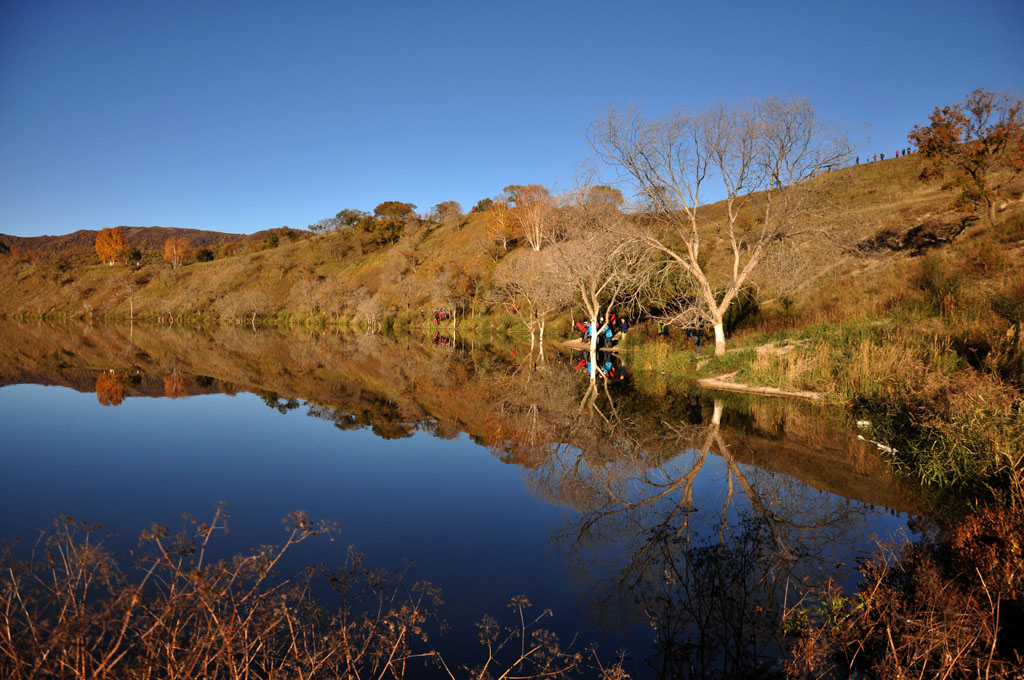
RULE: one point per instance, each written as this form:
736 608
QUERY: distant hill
82 243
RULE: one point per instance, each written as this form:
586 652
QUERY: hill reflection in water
620 504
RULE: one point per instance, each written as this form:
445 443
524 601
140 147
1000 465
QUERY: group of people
881 156
441 315
607 366
605 331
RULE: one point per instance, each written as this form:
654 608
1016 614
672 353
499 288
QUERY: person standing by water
697 336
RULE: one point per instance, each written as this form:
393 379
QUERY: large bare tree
758 159
604 271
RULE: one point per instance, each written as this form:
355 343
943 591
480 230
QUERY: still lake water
631 510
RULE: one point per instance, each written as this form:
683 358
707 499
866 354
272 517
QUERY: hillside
888 218
80 246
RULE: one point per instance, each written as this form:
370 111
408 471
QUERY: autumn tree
111 244
389 220
602 195
395 210
174 385
761 157
532 212
977 145
500 222
109 389
453 286
446 211
177 249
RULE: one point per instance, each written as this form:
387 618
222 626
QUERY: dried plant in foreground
73 612
946 610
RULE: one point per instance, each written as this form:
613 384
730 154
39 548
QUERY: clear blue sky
240 116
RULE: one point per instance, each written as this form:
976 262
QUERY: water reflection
695 517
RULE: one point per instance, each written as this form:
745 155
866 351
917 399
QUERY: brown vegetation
176 612
951 610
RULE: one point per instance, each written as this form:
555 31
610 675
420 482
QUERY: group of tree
722 199
112 248
384 226
764 162
762 157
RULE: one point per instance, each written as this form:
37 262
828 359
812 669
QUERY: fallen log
726 385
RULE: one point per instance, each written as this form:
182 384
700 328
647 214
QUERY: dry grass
72 613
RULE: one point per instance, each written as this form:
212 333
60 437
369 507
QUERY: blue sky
240 116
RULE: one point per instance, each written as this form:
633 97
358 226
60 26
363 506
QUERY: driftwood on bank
722 383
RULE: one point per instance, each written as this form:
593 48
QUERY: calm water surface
631 508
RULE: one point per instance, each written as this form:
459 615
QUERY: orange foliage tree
109 390
174 385
110 244
500 223
978 144
177 249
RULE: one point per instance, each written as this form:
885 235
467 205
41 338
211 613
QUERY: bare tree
760 157
601 268
532 213
529 287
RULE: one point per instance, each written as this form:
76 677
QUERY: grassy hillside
342 276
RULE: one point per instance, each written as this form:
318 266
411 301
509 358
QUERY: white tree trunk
719 339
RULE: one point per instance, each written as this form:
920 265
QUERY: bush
204 255
940 284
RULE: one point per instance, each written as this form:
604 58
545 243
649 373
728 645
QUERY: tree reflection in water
712 581
679 517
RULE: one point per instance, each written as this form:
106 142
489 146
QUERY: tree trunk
719 339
